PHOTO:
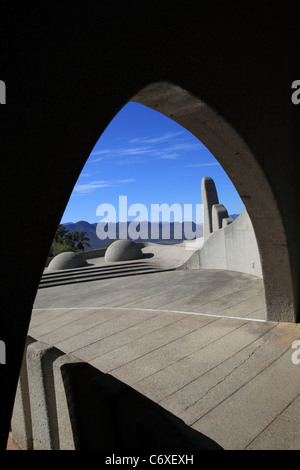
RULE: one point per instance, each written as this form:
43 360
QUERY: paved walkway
195 341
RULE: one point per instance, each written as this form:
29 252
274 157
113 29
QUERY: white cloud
185 146
168 146
196 165
166 155
155 140
121 152
89 187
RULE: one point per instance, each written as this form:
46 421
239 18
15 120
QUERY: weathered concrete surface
192 341
74 412
209 197
21 423
67 260
40 358
232 247
218 214
65 427
123 250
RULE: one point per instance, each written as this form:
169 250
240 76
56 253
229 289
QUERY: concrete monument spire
209 198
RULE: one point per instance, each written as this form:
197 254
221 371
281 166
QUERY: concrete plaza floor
195 341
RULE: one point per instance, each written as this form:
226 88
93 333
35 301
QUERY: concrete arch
72 72
236 158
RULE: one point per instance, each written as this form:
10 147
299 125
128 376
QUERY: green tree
81 240
70 239
58 248
60 234
64 240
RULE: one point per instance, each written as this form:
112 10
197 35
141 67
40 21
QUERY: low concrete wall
232 247
64 403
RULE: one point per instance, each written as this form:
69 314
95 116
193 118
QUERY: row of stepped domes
119 250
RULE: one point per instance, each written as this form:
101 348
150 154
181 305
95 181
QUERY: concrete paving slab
175 350
131 334
73 322
248 411
135 360
195 341
175 376
211 389
123 320
283 433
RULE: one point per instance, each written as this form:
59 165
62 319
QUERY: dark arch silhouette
69 72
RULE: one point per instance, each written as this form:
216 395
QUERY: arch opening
236 158
239 163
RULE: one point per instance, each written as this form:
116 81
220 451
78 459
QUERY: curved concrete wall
233 247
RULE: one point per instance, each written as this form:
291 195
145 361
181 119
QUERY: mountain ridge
97 243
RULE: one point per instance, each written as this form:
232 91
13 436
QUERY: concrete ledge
21 423
40 358
71 405
74 383
65 428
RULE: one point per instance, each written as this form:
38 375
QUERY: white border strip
153 310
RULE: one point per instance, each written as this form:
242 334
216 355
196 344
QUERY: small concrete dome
123 250
67 260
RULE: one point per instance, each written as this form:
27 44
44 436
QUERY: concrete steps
88 274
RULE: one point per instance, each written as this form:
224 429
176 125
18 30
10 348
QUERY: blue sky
150 159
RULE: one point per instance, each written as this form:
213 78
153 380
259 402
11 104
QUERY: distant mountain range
97 243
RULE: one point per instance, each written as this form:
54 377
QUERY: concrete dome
67 260
123 250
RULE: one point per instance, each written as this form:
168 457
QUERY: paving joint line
228 374
160 310
192 352
271 422
244 385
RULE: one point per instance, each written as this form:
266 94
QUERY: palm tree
81 240
61 232
70 239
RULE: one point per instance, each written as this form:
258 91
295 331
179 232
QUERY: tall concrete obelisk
209 198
